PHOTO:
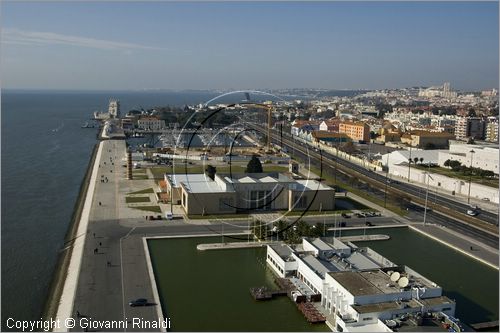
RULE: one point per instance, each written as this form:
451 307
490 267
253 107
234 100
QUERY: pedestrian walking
96 250
100 244
99 203
78 314
94 234
109 263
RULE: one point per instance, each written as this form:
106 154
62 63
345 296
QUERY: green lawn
391 205
147 190
136 199
154 209
459 175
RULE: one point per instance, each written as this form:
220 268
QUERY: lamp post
470 176
386 182
428 173
409 165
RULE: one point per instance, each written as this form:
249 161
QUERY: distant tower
446 87
114 108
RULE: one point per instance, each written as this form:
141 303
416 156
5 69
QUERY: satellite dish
403 282
395 276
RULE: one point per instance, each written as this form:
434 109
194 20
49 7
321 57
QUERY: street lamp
428 173
409 165
386 181
470 176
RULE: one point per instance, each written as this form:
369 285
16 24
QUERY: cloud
22 37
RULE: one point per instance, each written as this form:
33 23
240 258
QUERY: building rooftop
308 185
284 251
385 306
355 283
207 186
370 282
320 267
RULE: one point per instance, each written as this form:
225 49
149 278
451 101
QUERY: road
328 161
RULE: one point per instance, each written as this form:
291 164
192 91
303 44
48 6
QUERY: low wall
344 156
443 183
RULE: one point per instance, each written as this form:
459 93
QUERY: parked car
369 224
342 224
138 302
346 216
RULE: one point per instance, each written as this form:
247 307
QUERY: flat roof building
225 194
360 290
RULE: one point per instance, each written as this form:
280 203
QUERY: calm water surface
209 290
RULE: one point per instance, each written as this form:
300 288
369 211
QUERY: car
344 215
359 215
472 212
485 199
369 224
138 302
342 224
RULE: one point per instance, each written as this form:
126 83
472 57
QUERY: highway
329 161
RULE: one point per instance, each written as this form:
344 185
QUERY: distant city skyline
225 45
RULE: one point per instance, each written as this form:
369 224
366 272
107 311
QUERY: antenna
403 282
395 276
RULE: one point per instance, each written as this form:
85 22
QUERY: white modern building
360 290
479 156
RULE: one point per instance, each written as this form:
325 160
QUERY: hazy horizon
129 46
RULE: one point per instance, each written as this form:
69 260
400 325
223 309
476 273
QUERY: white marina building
360 290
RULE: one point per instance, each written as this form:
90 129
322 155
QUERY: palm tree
415 160
421 160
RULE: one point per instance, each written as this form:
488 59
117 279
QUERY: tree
254 165
210 171
447 163
415 159
410 161
421 160
488 174
455 165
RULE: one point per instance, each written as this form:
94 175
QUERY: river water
45 153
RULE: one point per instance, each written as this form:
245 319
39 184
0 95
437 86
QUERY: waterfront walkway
109 265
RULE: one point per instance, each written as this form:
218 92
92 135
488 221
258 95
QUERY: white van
169 215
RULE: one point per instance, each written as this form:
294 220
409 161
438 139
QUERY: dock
232 245
307 308
311 313
364 238
264 294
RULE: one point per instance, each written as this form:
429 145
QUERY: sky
248 45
